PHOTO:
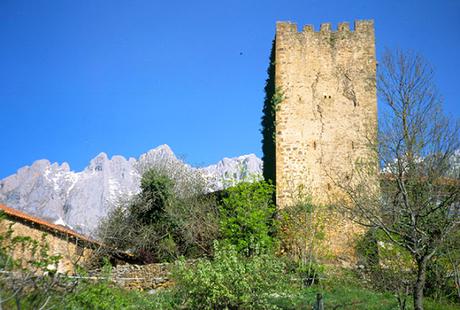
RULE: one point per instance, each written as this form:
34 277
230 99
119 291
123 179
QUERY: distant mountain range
80 199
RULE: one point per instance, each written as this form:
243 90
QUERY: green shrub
230 280
157 194
302 238
97 296
247 216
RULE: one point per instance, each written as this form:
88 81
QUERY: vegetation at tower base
301 233
388 267
417 205
443 272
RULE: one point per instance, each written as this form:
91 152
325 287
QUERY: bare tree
416 202
171 216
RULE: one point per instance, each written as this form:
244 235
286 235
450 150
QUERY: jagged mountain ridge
80 199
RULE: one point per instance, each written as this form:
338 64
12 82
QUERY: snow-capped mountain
229 171
80 199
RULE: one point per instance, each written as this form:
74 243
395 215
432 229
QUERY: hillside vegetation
240 259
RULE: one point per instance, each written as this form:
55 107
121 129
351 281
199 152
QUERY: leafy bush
98 296
247 216
230 280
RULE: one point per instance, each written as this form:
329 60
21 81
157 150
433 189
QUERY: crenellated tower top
360 26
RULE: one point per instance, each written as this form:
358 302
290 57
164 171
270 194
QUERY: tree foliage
230 280
273 97
247 216
157 196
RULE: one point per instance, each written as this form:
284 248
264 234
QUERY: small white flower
51 267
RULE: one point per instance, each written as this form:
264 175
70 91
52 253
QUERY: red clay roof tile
47 225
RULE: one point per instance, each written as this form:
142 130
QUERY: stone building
327 118
72 247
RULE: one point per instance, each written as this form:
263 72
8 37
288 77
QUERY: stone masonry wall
70 251
328 114
142 277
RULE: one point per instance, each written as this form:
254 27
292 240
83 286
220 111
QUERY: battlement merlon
360 26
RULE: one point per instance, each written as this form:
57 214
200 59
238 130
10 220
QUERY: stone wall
328 115
142 277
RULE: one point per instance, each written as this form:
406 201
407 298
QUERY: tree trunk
420 283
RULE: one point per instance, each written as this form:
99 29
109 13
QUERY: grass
339 298
349 297
340 290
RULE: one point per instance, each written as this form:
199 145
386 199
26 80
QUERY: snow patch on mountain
233 170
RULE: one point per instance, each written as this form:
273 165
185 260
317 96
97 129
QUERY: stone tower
328 112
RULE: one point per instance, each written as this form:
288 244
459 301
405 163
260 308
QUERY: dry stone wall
142 277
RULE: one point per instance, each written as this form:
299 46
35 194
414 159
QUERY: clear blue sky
81 77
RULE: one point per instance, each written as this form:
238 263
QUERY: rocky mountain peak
98 163
80 199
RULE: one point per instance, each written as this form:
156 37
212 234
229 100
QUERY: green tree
157 193
247 216
273 97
